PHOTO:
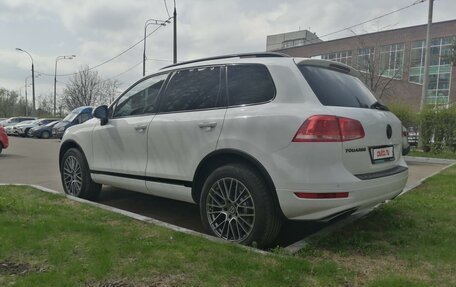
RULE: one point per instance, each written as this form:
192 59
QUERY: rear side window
335 88
193 89
249 84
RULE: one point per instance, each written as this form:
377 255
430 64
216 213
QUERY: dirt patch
18 268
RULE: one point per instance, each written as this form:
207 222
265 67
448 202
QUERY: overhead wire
373 19
110 59
166 7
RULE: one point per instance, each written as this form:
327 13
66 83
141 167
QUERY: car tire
45 135
237 205
27 133
75 175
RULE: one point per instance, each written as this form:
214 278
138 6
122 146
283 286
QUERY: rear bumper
363 194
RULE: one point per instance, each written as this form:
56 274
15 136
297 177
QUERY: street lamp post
147 23
55 76
33 79
26 86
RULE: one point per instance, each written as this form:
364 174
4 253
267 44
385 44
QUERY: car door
190 119
120 146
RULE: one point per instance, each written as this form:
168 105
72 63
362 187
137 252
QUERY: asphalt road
35 161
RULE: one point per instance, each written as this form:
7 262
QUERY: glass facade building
342 57
439 68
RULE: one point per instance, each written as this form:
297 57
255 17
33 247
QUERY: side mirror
101 112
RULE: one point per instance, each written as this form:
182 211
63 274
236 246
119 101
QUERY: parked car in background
405 141
413 136
252 139
44 131
77 116
15 120
11 129
4 142
23 129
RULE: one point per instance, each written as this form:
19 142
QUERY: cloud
98 30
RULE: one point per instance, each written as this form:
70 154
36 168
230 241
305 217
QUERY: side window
192 89
249 84
141 98
84 117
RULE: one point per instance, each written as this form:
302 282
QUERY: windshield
51 124
71 116
335 88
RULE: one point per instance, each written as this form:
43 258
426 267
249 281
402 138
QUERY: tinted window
335 88
193 89
85 117
141 98
249 84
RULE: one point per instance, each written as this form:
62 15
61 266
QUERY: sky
97 30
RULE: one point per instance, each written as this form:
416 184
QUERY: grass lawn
48 240
443 154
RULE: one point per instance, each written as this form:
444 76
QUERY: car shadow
187 215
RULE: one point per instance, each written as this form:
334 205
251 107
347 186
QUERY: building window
391 61
365 59
439 68
341 57
293 43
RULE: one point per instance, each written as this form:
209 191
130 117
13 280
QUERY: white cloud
98 30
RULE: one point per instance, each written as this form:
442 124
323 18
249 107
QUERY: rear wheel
28 133
75 176
45 135
237 205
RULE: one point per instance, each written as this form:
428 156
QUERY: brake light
326 128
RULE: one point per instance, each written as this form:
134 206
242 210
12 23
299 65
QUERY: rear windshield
335 88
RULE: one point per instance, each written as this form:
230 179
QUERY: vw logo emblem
389 131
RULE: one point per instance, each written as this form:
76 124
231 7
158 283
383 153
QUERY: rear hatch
344 95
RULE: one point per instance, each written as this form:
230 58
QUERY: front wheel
75 176
237 205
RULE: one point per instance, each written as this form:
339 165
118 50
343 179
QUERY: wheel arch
225 156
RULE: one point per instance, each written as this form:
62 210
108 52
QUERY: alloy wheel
230 209
72 175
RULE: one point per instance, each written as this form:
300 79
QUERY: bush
438 129
408 117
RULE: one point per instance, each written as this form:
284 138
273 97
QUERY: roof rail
244 55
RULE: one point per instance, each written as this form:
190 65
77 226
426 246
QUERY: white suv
252 139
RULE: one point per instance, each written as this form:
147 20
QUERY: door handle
140 129
207 125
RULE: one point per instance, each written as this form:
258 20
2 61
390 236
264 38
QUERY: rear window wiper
379 106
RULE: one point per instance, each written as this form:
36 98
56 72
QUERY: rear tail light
405 133
325 128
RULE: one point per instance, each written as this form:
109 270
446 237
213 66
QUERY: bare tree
372 72
86 88
11 104
45 105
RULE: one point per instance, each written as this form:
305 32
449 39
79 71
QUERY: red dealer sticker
382 154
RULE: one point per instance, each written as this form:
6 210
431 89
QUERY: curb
429 160
139 217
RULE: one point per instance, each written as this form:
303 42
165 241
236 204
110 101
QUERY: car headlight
61 129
